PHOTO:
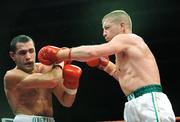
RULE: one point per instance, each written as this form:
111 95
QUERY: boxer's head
22 51
116 22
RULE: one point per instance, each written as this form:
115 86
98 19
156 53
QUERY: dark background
78 22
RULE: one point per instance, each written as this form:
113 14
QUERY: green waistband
144 90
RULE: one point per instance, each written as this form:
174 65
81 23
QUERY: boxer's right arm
103 63
18 78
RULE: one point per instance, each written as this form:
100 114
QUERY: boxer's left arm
66 91
48 55
84 53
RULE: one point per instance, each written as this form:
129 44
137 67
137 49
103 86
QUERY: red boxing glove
71 75
101 62
47 55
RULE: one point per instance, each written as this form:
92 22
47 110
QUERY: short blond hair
118 16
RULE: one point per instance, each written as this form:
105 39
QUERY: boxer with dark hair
29 86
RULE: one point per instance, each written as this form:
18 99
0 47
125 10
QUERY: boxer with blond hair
135 68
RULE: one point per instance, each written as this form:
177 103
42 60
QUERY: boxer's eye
31 50
22 52
106 27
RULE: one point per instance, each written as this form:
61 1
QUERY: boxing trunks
148 104
32 118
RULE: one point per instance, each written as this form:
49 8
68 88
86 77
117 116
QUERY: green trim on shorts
155 110
144 90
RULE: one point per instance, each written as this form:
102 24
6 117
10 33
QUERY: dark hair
19 38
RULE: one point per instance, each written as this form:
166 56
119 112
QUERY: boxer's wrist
109 69
56 65
64 54
70 91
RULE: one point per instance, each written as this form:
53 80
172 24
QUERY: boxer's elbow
67 103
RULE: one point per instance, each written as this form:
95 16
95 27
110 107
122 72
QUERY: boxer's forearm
83 53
